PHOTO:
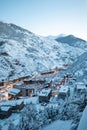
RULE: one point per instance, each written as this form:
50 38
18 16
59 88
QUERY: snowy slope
55 37
79 68
23 53
83 121
73 41
58 125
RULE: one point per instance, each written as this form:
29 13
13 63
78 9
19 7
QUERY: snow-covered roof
19 83
29 86
55 91
45 92
64 89
83 121
77 83
26 100
28 79
81 86
13 91
10 103
5 108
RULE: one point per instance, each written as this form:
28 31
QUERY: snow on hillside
73 41
55 37
83 121
79 68
58 125
23 53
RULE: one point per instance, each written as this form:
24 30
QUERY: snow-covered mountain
23 53
79 68
55 37
72 41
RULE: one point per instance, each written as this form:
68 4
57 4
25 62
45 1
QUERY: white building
13 93
45 94
64 92
81 87
29 90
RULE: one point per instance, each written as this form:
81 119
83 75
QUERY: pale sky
47 17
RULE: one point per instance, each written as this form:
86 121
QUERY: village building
64 92
80 88
29 90
33 81
29 81
1 84
7 107
48 84
3 96
5 112
60 81
13 104
8 84
2 89
45 95
48 72
13 93
3 93
18 84
55 93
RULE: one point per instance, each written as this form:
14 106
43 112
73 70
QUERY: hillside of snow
58 125
83 121
23 53
72 41
79 68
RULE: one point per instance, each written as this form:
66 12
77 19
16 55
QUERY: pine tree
23 123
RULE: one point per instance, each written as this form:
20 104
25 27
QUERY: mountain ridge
23 53
79 68
72 41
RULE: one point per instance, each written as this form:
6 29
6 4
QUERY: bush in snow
68 112
52 112
11 126
31 118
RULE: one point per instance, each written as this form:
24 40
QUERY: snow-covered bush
11 126
31 118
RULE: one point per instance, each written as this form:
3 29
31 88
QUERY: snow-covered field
83 121
58 125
